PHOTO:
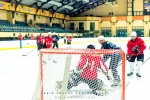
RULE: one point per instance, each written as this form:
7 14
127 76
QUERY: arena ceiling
67 7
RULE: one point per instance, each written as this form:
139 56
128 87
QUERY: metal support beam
39 4
53 11
87 6
7 1
74 7
17 3
63 4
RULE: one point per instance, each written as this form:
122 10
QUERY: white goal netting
80 74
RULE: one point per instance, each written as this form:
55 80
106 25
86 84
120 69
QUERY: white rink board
16 43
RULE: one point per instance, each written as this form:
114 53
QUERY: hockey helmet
101 38
49 33
90 46
133 34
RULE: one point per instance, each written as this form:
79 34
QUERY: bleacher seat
6 26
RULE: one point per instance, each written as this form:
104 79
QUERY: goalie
87 72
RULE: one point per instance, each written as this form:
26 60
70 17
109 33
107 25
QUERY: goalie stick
29 52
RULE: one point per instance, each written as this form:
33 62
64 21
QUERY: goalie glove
78 71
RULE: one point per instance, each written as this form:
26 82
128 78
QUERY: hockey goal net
55 70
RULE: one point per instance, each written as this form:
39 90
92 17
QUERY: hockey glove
128 57
136 49
78 70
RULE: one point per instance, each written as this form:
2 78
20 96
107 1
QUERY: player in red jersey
69 39
48 43
135 49
40 42
20 36
32 37
86 72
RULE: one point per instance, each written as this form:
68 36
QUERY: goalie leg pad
96 84
74 80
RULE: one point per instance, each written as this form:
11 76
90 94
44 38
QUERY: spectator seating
54 28
6 26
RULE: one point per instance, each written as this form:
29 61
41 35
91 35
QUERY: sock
138 69
131 65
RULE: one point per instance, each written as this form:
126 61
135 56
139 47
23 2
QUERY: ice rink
18 74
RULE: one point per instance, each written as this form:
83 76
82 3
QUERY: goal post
54 72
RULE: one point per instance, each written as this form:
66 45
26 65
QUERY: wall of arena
15 34
121 20
9 45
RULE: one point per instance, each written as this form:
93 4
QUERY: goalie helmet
90 46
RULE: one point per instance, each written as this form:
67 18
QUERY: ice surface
18 74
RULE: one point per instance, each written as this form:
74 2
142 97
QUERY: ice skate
138 75
130 74
116 84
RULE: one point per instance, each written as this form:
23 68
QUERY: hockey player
87 72
51 39
69 39
135 49
48 42
40 42
56 39
115 59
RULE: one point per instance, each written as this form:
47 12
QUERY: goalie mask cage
55 67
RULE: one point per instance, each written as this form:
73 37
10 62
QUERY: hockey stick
28 52
146 61
136 65
31 44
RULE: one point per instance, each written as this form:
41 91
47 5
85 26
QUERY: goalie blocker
87 72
